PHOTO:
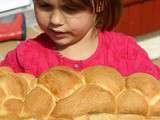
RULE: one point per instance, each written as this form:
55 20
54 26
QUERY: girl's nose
56 19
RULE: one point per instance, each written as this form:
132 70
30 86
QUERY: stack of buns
95 93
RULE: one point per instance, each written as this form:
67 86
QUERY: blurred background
140 19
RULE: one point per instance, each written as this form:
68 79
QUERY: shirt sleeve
11 61
139 61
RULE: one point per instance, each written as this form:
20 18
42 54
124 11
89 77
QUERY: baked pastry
61 81
95 93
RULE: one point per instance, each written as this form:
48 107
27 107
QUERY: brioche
61 81
5 70
95 93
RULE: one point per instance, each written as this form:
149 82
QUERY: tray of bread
95 93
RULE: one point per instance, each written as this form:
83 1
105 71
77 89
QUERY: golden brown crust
96 93
106 77
129 98
61 81
16 86
153 118
105 116
10 117
30 79
39 102
155 109
2 95
88 99
82 117
5 70
145 83
54 118
13 106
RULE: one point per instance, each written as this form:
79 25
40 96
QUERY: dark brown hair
107 18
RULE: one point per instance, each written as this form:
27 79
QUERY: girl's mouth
58 33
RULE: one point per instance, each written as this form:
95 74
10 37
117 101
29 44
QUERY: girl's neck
83 49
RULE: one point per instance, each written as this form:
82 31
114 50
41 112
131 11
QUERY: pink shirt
114 49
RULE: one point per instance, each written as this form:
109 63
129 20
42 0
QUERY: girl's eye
45 6
70 10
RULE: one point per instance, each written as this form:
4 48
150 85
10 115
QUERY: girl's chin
62 42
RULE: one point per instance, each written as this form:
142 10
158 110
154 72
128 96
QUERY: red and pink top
114 49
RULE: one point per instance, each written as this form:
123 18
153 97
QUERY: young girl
76 35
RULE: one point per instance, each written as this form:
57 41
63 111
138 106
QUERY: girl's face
64 24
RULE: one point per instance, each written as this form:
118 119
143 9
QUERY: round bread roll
30 80
5 70
2 95
106 77
61 81
10 117
95 93
39 103
12 106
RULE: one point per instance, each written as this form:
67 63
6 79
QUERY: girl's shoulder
35 55
38 46
118 38
33 43
121 43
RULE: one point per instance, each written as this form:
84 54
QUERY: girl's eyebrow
44 1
